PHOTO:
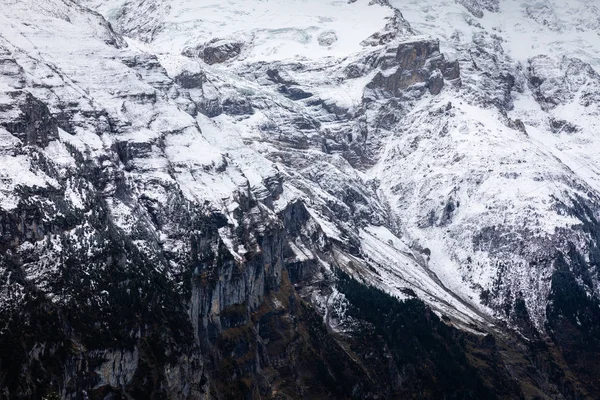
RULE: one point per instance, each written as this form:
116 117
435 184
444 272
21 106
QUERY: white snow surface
272 29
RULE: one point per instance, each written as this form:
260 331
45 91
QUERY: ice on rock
428 148
443 122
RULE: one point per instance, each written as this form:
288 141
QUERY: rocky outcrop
295 93
395 28
412 66
190 80
216 51
30 120
557 82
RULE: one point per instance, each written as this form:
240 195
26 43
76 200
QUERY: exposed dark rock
451 70
519 125
448 212
294 93
237 106
339 111
435 83
278 76
561 126
34 125
216 51
410 65
189 80
305 123
128 151
210 107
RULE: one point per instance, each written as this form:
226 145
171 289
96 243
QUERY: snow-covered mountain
192 193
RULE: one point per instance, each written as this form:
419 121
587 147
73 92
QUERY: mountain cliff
299 199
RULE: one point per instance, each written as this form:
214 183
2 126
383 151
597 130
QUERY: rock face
33 124
216 51
374 199
415 66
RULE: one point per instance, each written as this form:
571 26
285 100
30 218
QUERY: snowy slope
494 174
325 179
197 166
144 128
480 176
348 107
271 30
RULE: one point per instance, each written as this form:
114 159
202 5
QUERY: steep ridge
217 200
302 111
511 165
